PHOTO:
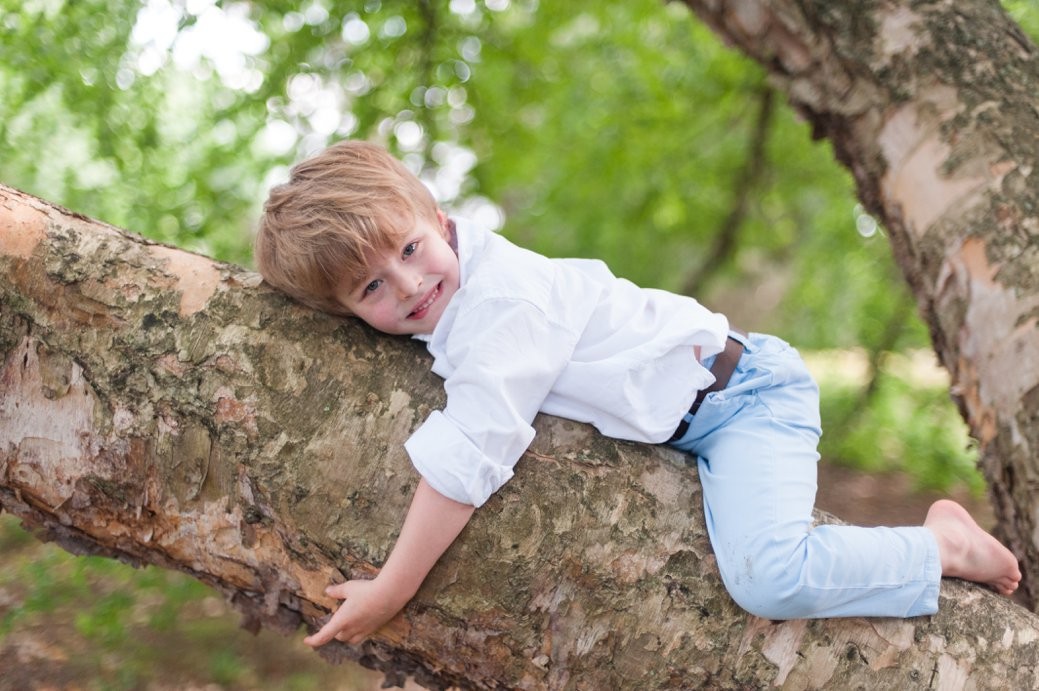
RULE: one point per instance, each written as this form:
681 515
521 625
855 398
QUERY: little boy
513 333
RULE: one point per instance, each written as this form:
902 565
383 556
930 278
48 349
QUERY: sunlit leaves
620 130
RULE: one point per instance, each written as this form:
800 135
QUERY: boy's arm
432 524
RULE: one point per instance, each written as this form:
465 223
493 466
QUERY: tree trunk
164 409
932 106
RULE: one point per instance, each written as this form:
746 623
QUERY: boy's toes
1006 586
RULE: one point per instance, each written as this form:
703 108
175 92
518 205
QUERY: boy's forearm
431 525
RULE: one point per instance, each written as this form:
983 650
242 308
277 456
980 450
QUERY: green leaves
623 131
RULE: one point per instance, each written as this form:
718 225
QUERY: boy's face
407 289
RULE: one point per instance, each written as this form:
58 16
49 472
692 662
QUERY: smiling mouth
420 311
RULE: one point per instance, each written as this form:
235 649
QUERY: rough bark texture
932 106
164 409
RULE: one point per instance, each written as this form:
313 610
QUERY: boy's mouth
426 303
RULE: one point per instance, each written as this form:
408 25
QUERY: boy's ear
445 229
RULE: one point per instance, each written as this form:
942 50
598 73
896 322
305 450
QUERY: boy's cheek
344 308
370 317
339 307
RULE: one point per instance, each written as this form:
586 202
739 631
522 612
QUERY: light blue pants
756 444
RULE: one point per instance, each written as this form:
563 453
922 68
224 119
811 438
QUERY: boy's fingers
330 630
345 624
338 590
354 639
324 635
332 627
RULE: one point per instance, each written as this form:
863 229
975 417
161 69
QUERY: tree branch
939 135
164 409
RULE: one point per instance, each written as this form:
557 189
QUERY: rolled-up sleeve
453 465
504 367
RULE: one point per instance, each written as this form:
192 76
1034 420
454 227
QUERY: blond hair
337 211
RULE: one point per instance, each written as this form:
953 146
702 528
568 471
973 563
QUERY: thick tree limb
932 107
164 409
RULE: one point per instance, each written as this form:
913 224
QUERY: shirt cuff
452 464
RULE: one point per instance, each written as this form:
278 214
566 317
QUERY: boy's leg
756 441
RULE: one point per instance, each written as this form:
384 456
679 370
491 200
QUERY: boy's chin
416 328
421 328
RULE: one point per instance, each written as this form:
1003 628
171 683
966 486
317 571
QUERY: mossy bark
932 107
164 409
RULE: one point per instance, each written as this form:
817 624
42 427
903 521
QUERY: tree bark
163 409
932 107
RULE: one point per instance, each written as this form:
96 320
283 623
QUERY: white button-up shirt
525 333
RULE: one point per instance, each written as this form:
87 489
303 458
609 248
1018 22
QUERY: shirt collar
469 240
466 241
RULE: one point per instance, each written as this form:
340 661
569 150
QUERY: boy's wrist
396 590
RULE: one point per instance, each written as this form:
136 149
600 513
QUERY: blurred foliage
877 415
903 421
616 130
1025 13
624 131
93 623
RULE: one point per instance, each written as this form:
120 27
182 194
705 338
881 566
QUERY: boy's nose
409 283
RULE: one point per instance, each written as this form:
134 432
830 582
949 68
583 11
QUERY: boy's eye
373 286
410 248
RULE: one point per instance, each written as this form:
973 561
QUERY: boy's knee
768 603
767 583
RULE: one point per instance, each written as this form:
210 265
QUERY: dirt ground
888 499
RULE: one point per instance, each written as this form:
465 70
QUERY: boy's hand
367 606
432 523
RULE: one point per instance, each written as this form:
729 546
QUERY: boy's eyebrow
350 282
393 241
357 282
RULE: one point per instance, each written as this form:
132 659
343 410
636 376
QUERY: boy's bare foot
968 552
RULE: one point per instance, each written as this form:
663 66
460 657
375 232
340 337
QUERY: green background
623 131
